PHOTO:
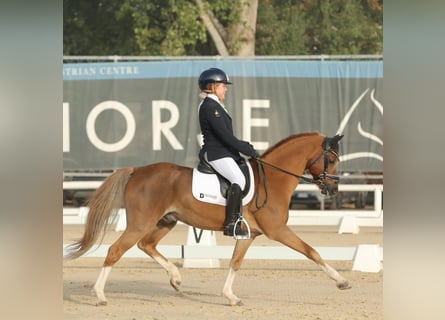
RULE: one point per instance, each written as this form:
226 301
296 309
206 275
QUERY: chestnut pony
159 195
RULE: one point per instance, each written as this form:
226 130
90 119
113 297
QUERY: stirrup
241 236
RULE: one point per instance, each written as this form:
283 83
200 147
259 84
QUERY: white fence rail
225 252
362 217
348 220
366 258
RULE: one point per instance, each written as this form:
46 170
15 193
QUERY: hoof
101 303
237 303
176 285
344 285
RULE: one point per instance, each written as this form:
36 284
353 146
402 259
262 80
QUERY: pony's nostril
332 189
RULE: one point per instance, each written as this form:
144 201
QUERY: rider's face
220 90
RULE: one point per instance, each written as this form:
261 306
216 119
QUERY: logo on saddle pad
206 187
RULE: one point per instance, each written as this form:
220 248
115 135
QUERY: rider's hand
254 154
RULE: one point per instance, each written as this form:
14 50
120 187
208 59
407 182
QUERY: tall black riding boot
233 209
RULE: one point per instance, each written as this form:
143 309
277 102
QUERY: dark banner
136 113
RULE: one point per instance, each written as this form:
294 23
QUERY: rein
262 174
286 172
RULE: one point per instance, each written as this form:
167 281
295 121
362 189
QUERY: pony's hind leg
149 242
115 252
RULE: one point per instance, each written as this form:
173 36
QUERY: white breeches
229 169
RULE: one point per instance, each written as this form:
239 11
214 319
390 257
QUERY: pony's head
324 167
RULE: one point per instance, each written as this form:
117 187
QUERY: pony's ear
333 142
337 137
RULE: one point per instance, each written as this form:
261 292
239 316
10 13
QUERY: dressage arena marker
349 225
367 258
200 237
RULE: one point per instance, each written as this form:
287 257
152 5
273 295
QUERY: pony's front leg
235 264
227 289
341 282
284 235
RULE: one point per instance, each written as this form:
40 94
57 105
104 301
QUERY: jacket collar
215 97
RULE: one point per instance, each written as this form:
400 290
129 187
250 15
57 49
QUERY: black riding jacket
219 140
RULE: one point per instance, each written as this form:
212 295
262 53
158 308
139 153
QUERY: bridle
319 180
325 154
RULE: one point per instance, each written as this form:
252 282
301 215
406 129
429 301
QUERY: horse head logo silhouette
360 130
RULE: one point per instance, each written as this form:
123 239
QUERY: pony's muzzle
331 189
328 189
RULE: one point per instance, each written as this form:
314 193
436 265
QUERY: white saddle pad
206 188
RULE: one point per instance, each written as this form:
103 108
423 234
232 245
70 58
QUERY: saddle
205 167
209 186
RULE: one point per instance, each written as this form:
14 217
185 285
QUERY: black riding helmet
212 75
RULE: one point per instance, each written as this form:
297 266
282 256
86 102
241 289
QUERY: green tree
178 27
341 27
159 27
97 28
281 28
222 27
164 27
217 28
